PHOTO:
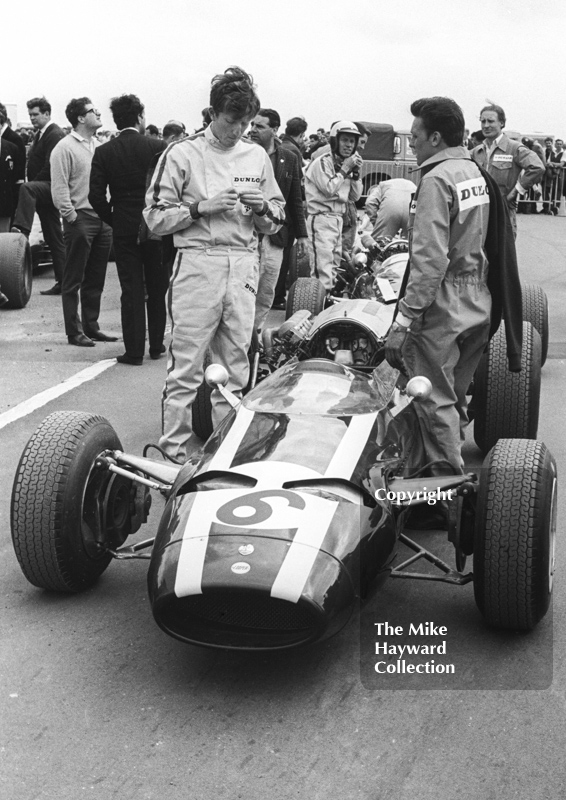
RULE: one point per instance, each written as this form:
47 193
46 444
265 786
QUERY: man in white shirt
87 238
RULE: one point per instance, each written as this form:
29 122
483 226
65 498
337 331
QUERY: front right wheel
515 534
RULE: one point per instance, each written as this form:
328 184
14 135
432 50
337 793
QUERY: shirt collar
42 131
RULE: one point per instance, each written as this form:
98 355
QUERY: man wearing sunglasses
87 238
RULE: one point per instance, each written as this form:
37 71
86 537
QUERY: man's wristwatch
194 212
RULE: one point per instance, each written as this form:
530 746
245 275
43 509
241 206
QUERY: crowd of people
214 216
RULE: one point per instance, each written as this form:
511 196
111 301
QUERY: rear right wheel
515 534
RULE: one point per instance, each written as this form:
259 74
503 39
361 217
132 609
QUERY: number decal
254 500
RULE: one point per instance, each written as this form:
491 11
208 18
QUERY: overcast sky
325 60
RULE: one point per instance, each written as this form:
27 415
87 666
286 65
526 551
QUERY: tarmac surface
97 702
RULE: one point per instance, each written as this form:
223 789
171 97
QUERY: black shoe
126 359
80 340
155 354
278 305
14 229
3 300
55 289
99 336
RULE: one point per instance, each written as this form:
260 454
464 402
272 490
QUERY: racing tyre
16 270
307 294
515 534
56 498
298 267
506 404
535 311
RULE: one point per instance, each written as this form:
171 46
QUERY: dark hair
362 129
295 126
125 110
76 109
442 115
477 135
498 110
172 129
40 102
152 129
234 92
206 118
3 114
272 116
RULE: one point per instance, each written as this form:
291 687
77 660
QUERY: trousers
445 345
140 272
212 308
87 242
325 247
270 258
36 196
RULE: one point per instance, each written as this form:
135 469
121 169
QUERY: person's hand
223 201
512 196
393 349
254 199
301 247
353 162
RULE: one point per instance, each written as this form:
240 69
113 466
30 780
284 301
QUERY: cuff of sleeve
403 320
263 211
520 189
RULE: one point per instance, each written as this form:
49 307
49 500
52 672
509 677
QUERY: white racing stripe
41 399
224 456
295 570
346 455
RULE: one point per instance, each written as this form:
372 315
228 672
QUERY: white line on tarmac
41 399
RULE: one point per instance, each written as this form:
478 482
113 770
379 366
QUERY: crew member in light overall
330 182
214 192
445 316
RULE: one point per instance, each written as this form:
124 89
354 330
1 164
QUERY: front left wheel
16 270
67 509
515 534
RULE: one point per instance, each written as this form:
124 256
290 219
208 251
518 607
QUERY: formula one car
293 513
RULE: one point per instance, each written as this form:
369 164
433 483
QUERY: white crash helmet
343 126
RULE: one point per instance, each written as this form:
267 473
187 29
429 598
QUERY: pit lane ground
97 702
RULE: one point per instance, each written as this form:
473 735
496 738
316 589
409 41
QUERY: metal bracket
450 575
131 551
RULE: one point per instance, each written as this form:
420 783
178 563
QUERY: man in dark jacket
35 195
263 130
121 165
9 135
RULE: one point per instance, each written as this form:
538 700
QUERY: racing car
294 512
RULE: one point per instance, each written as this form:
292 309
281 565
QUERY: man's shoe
55 289
99 336
278 305
15 229
80 340
3 300
126 359
155 354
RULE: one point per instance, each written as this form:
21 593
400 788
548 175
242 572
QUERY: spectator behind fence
87 238
36 194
